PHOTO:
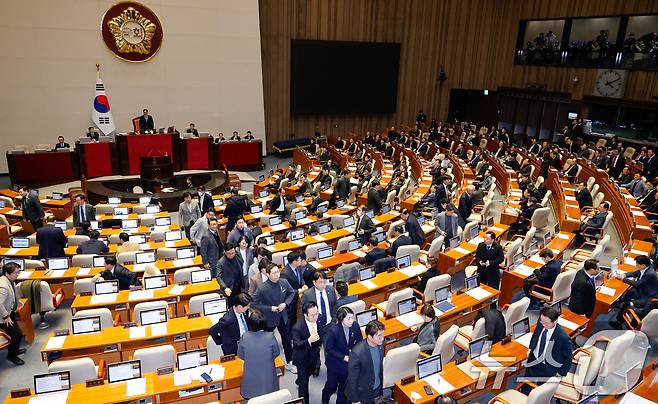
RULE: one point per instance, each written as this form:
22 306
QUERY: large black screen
335 77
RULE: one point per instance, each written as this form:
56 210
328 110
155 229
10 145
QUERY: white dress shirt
549 334
319 303
312 327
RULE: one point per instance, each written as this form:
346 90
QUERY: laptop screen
145 257
192 359
173 235
299 198
325 228
121 210
98 261
215 306
490 221
144 200
187 252
366 273
300 215
557 228
348 221
520 328
105 287
442 294
61 225
353 245
95 225
429 366
114 200
474 232
406 306
58 263
297 234
202 275
261 178
547 238
263 193
472 282
256 209
477 347
386 209
269 240
275 221
18 261
153 209
155 282
325 252
370 213
86 325
403 261
340 203
57 196
380 236
20 242
153 316
122 371
421 220
137 238
454 242
129 224
366 316
51 382
217 202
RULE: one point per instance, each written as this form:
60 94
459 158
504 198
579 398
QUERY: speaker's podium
156 168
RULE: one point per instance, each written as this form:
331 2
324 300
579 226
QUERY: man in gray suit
637 186
8 316
238 231
200 227
446 223
258 349
324 298
82 211
188 212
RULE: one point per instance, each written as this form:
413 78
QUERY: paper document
170 244
567 324
536 258
525 340
439 384
410 319
318 238
57 273
104 299
278 227
478 293
185 262
299 242
137 332
24 275
55 342
607 291
182 378
524 270
489 362
57 397
629 398
462 250
359 253
563 236
12 251
476 240
158 329
83 271
315 264
368 284
140 295
413 270
177 290
135 387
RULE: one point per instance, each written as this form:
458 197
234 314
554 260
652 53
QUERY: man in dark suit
364 225
233 324
494 323
92 133
212 248
205 199
278 203
51 240
324 298
465 207
61 144
114 271
31 207
293 272
82 211
273 297
543 276
583 289
400 240
195 133
594 224
616 164
550 349
93 245
488 257
644 286
146 121
342 186
342 293
306 344
365 368
534 146
230 272
373 255
338 342
524 219
583 196
374 201
650 165
236 205
413 227
423 148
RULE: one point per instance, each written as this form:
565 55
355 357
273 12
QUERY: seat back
184 275
337 221
76 240
82 369
126 257
588 366
515 312
33 264
156 357
104 209
164 253
394 298
512 250
486 209
214 351
412 250
540 180
590 183
384 264
3 220
158 235
478 329
650 324
433 284
276 397
597 201
526 244
399 363
312 250
82 260
615 351
104 313
151 270
279 257
540 218
9 203
562 286
390 197
543 393
595 191
83 285
389 232
547 198
347 272
356 306
140 307
445 344
343 243
196 302
629 152
467 229
435 247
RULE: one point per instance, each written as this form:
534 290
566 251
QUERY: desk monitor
442 299
519 258
299 198
520 328
366 316
407 305
120 211
472 282
18 261
57 196
353 245
94 225
86 325
61 225
145 257
274 221
215 306
51 382
340 203
185 252
477 347
366 273
202 275
296 234
300 214
370 213
137 238
153 316
429 366
153 209
547 238
475 230
454 242
325 228
269 240
263 193
379 235
2 204
155 282
348 221
256 209
403 261
128 224
557 228
144 200
192 359
106 287
58 263
114 200
321 209
98 261
217 202
490 221
173 235
122 371
20 242
325 252
261 178
386 208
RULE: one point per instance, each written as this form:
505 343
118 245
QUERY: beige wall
208 70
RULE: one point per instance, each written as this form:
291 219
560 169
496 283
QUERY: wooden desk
161 389
61 209
604 302
456 259
25 320
123 304
385 284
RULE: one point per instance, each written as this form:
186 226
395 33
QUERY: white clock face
610 83
132 32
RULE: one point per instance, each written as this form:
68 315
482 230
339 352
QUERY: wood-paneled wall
473 39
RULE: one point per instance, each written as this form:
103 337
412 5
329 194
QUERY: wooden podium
156 168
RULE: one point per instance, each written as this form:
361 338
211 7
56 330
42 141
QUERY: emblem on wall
131 31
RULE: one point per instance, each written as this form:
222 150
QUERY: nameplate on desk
180 337
227 358
194 315
408 380
20 393
61 333
165 370
215 387
94 382
130 324
111 348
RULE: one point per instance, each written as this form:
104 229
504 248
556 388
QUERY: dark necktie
323 305
542 344
633 187
82 213
299 279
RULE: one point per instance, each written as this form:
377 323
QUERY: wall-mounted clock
610 83
131 31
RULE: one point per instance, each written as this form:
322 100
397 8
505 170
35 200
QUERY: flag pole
98 70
